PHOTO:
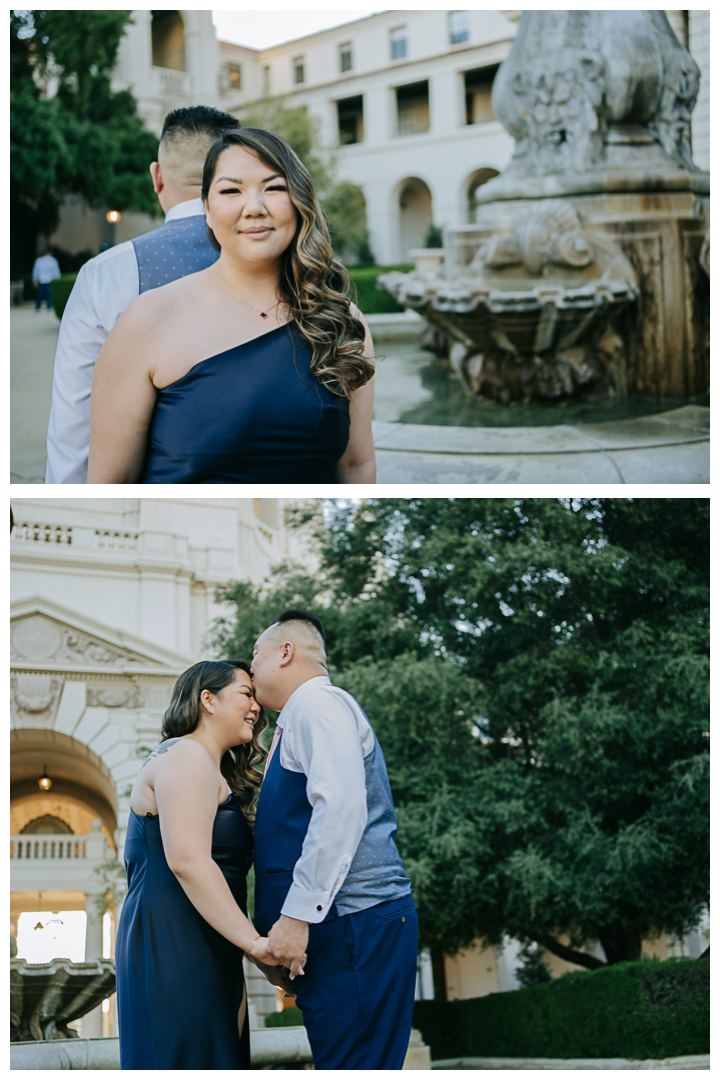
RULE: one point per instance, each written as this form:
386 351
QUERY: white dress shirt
45 269
325 736
105 286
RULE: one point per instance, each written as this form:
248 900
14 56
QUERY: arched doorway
415 203
62 853
473 182
168 40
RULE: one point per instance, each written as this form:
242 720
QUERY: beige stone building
111 600
402 99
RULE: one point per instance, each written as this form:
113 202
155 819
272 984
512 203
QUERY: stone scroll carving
548 232
34 699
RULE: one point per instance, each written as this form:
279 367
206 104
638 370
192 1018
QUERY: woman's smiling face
249 208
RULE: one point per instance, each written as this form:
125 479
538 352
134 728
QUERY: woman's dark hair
314 286
238 764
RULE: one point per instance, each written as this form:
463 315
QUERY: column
262 997
92 1022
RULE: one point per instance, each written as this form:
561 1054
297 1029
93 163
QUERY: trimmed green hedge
640 1010
61 289
290 1017
370 299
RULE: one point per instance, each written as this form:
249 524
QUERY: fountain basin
45 998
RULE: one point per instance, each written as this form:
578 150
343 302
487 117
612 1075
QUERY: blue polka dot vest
174 250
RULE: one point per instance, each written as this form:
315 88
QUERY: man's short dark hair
298 615
198 120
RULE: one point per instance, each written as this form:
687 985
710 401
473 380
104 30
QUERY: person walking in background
44 271
329 882
107 284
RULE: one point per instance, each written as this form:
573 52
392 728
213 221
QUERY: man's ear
288 651
157 177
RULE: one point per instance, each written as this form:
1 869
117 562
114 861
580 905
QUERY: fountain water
586 271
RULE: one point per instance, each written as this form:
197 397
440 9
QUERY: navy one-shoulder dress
252 414
180 982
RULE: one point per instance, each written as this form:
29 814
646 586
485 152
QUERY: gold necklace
262 314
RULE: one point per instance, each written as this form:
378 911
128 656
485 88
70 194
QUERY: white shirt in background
105 286
45 270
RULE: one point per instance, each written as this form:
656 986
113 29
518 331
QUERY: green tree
564 645
85 139
343 202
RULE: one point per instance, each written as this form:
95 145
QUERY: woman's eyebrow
266 180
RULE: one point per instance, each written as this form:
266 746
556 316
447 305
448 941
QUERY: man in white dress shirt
107 284
329 881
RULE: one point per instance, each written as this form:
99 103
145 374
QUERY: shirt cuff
310 907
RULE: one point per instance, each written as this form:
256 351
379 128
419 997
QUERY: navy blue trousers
358 989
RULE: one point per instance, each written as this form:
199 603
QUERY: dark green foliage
86 139
632 1010
537 671
370 299
290 1017
61 289
434 237
532 969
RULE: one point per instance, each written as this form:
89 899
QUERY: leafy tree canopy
536 670
70 132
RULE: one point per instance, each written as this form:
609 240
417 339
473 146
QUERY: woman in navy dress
256 370
184 928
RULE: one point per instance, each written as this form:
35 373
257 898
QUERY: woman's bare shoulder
159 306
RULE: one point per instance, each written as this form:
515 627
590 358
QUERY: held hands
276 976
258 952
287 944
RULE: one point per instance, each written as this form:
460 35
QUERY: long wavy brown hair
238 764
314 285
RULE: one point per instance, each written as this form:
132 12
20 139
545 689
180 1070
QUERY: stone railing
48 847
59 861
36 532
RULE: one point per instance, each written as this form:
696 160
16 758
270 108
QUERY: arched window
475 181
416 217
168 40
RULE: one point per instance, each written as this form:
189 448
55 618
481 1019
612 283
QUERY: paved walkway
32 351
670 448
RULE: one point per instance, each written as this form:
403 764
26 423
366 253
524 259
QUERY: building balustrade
46 847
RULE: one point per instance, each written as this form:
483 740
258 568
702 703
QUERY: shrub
370 299
291 1017
61 289
636 1010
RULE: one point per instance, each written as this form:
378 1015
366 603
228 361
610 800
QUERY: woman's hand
259 951
276 976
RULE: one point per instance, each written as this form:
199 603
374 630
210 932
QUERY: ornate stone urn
583 273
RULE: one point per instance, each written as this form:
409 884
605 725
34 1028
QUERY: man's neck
302 677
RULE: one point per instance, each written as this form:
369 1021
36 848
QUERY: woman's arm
186 792
122 399
357 465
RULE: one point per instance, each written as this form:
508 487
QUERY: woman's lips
256 234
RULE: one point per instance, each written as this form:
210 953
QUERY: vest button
402 919
319 907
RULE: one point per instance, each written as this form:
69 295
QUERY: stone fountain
45 998
586 271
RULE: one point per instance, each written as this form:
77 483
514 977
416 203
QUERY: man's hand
287 942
